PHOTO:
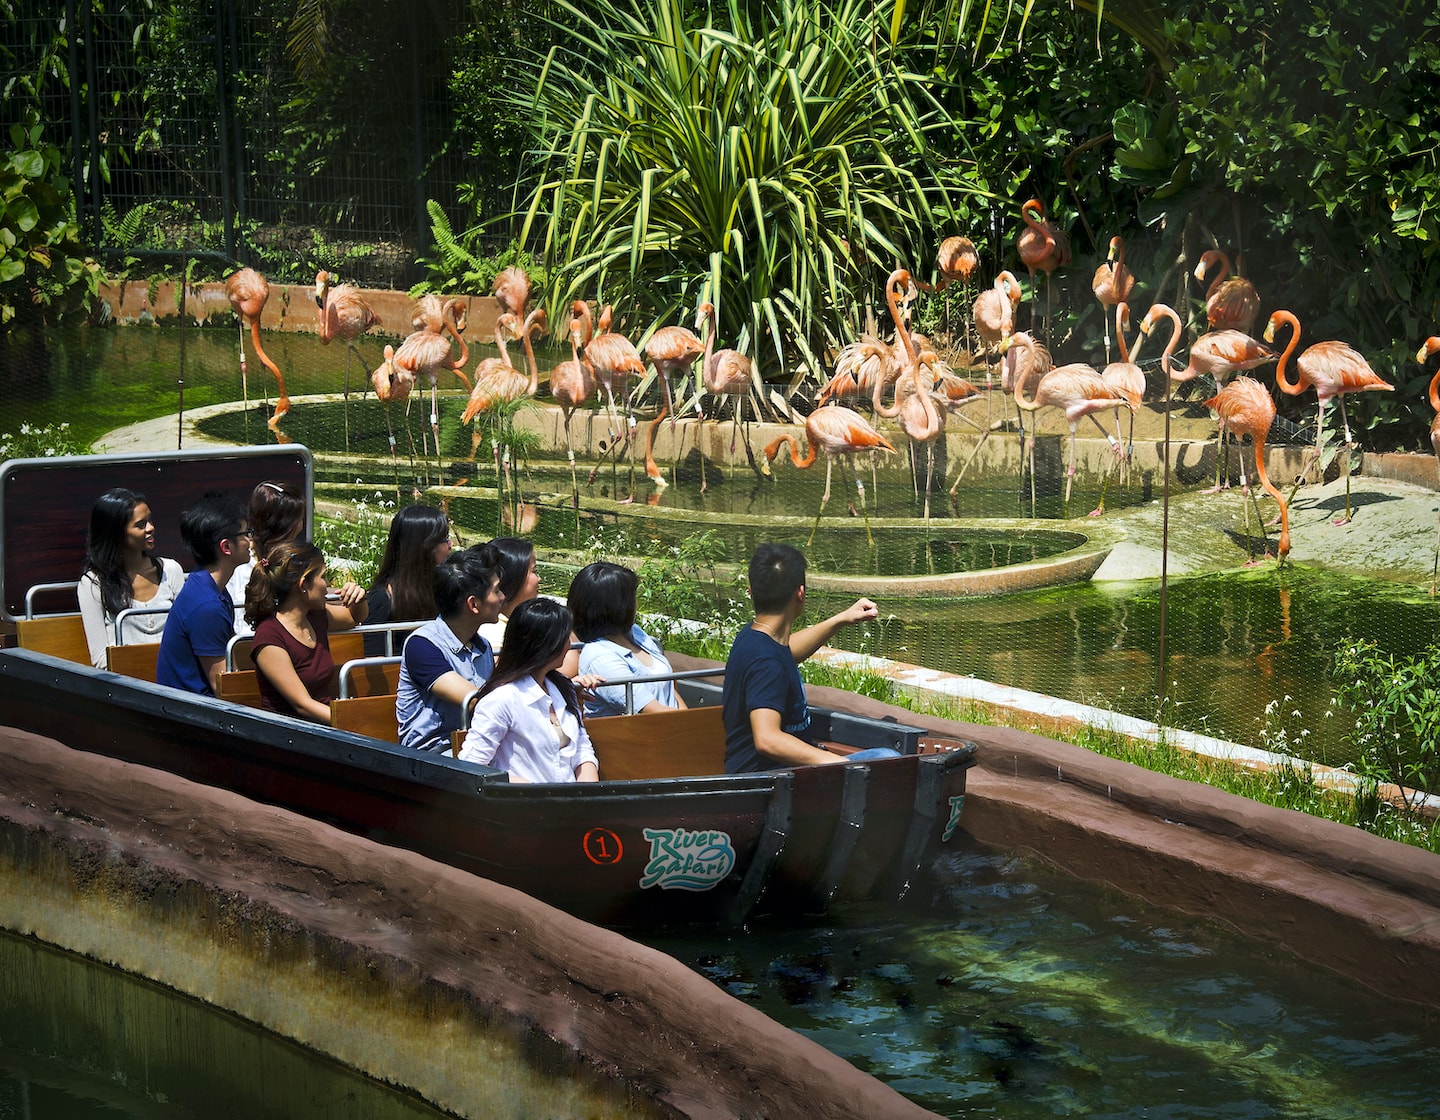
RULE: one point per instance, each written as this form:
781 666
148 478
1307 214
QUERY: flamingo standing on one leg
1043 247
1432 346
1334 368
572 384
1231 302
345 315
1112 285
956 260
1222 354
838 432
671 350
427 351
248 293
1079 391
1245 408
1023 362
726 373
1126 374
393 385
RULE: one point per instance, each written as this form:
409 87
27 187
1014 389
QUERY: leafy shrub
1396 705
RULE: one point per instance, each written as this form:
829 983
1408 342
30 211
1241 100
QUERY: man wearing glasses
202 620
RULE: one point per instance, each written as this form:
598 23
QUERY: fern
459 263
126 232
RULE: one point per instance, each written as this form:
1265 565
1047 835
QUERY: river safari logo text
683 860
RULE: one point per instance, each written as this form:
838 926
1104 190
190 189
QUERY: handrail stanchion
133 612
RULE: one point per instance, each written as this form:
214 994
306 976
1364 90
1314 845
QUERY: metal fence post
222 102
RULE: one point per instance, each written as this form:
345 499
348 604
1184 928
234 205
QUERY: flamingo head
1271 326
1008 286
899 282
1117 250
537 323
1036 205
455 308
1432 345
1207 260
322 285
703 313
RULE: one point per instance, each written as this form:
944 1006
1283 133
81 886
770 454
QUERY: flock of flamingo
923 389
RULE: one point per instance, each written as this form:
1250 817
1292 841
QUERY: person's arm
588 768
780 747
488 726
212 667
279 670
807 641
92 616
350 610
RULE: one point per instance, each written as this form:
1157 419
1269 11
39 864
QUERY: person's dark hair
537 631
515 556
289 564
408 566
602 599
110 519
463 574
214 518
776 572
277 515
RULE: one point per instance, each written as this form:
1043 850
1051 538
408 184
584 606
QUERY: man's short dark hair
777 571
462 574
214 518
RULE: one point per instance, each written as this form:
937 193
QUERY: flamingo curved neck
1294 388
447 319
1435 391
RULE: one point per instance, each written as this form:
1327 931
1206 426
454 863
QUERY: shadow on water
1022 994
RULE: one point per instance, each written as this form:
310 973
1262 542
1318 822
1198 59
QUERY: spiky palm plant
770 161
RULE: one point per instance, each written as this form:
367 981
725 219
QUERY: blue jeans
871 754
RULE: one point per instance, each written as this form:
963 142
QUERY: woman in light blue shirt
602 599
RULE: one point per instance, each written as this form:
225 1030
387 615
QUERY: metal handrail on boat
133 612
656 678
36 589
389 629
350 668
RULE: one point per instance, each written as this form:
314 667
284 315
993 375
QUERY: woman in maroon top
286 603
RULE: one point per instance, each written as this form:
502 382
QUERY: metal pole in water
1164 556
184 298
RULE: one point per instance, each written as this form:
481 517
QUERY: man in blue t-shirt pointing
767 722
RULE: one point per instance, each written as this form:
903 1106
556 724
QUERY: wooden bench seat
370 676
136 661
240 687
59 635
367 715
677 744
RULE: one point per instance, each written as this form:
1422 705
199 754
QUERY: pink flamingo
1231 302
1078 391
572 384
838 432
614 361
1125 374
726 373
1334 369
671 350
343 314
1043 247
248 292
393 385
1245 408
427 351
994 315
1112 285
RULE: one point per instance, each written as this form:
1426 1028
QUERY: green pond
1248 653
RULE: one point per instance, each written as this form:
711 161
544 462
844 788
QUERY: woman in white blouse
528 721
120 573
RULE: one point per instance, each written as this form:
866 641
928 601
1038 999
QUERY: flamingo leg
1345 421
860 490
347 398
824 498
1070 470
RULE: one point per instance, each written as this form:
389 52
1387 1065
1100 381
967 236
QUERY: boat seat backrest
677 744
366 715
371 676
59 635
136 661
240 686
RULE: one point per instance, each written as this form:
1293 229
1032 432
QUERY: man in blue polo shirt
447 659
202 620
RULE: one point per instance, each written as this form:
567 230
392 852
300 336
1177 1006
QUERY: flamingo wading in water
248 292
572 384
1245 408
345 315
726 373
671 350
1112 285
838 432
427 350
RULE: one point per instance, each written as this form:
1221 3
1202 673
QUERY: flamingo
497 381
1043 247
919 418
671 350
1432 345
512 288
726 373
1079 391
1222 354
248 293
1245 408
393 384
614 360
1112 285
994 315
837 431
343 314
1334 368
956 259
1125 374
572 384
858 368
1024 362
426 350
1231 302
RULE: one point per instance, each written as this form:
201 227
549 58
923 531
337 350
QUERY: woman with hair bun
528 719
287 604
277 515
120 573
404 587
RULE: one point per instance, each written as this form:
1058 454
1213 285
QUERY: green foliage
354 545
459 263
767 160
34 441
1396 706
43 270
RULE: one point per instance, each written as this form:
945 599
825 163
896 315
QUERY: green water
1022 995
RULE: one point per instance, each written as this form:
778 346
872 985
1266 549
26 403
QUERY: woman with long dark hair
602 600
519 583
404 587
120 573
528 719
287 604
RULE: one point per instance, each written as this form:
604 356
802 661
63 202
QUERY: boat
668 842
